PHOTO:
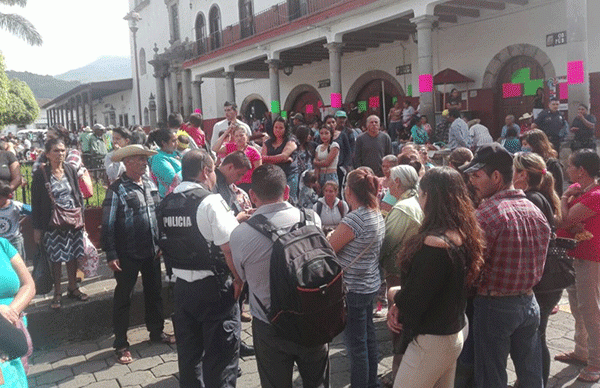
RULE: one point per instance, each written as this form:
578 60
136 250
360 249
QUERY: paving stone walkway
92 364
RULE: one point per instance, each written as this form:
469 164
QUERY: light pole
132 18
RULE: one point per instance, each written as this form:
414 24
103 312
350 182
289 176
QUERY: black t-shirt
583 133
6 159
550 123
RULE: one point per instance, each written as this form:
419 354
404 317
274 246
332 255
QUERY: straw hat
131 150
525 116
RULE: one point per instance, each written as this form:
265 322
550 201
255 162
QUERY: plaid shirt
129 226
517 236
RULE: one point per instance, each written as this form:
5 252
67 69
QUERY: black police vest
182 244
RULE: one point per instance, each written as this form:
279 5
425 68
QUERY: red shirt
589 249
517 236
195 133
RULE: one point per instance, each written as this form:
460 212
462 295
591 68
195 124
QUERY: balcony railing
278 15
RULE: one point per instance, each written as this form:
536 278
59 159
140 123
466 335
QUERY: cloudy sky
75 33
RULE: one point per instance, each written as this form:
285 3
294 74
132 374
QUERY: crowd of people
464 258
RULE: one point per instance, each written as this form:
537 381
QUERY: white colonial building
311 56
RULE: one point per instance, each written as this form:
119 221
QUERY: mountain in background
102 69
43 86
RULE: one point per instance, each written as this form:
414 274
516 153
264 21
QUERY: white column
425 62
335 67
187 93
274 65
230 85
577 50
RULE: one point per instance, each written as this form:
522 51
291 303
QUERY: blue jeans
503 326
361 341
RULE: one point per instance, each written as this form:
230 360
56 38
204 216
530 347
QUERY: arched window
142 61
200 34
214 26
246 18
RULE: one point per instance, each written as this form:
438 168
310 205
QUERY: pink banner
374 102
310 109
336 100
575 72
425 83
563 91
511 90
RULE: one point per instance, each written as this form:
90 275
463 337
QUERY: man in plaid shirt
506 314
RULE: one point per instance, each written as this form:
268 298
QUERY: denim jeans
361 341
503 326
546 301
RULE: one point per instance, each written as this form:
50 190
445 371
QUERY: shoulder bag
61 217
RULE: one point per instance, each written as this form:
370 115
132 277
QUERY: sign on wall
556 39
404 69
324 83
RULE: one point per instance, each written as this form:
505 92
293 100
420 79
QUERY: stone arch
296 92
368 77
251 97
490 76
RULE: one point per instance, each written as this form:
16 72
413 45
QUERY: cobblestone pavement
92 364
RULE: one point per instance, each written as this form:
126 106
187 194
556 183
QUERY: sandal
123 356
570 358
77 294
56 303
589 376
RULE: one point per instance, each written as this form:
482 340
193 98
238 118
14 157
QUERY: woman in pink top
239 143
581 220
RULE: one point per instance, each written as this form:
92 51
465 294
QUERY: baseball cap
493 155
340 113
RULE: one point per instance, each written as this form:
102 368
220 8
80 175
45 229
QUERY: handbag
559 272
61 217
42 275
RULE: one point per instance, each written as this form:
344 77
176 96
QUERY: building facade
315 56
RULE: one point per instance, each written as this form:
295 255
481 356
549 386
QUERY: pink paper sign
425 83
575 73
563 91
511 90
336 100
310 109
374 102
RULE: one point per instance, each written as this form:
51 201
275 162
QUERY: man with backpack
195 227
252 255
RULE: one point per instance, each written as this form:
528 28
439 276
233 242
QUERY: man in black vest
195 225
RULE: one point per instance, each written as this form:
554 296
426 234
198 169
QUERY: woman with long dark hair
281 150
438 266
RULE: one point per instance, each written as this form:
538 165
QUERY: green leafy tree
17 102
18 25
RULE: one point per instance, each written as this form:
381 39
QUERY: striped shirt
363 276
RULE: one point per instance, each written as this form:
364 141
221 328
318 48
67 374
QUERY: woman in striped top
359 236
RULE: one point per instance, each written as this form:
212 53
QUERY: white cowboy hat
131 150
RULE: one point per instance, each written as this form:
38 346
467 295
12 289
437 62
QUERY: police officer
195 225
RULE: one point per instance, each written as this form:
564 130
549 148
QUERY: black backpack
308 303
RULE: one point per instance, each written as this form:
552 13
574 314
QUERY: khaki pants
584 298
430 361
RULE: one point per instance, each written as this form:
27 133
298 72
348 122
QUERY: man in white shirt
230 109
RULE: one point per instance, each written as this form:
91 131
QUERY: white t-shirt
222 126
322 154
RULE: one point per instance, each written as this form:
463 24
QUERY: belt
497 294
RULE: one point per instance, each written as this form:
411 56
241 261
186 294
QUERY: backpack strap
319 208
340 206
